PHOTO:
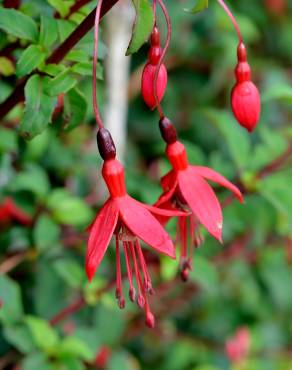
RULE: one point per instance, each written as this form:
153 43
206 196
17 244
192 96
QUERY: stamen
141 293
147 278
132 291
119 287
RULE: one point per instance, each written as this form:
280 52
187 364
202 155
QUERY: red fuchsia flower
245 97
129 221
185 188
237 347
102 357
10 211
147 82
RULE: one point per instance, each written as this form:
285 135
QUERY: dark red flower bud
147 85
155 37
154 55
245 97
150 320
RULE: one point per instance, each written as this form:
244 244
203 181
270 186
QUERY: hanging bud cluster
245 97
148 76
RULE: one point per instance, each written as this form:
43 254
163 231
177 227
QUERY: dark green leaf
46 233
48 31
199 6
17 24
75 107
143 25
60 84
20 337
71 272
38 107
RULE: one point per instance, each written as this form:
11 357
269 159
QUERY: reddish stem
167 18
232 18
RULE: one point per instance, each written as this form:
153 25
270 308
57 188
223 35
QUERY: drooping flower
148 75
129 221
185 188
237 347
245 97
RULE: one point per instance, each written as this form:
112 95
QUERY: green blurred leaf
71 272
36 361
73 346
6 67
199 6
38 107
17 24
44 336
20 337
30 59
205 274
62 6
11 311
143 25
34 179
75 107
8 140
68 209
46 233
72 363
279 92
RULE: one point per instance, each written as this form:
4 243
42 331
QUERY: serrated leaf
17 24
39 107
199 6
11 310
48 31
60 84
30 59
75 107
143 25
44 336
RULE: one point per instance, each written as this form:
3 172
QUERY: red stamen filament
132 291
141 296
232 18
164 50
147 279
119 287
95 59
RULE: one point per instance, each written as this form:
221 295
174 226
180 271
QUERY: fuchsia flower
10 211
129 221
185 188
245 97
148 76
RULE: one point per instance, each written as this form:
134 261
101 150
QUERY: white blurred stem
117 69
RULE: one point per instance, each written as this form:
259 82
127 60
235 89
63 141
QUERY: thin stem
95 58
231 16
168 38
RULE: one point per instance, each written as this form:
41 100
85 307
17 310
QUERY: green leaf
30 59
205 274
6 67
68 209
73 346
17 24
39 107
199 6
8 140
71 272
34 179
72 363
44 336
20 337
48 31
60 84
11 311
62 6
143 25
85 69
46 233
280 92
36 361
75 106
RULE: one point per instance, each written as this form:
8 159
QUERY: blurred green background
55 178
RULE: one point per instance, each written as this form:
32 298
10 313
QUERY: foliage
51 317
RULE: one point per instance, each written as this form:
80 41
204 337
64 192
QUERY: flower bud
246 104
147 84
